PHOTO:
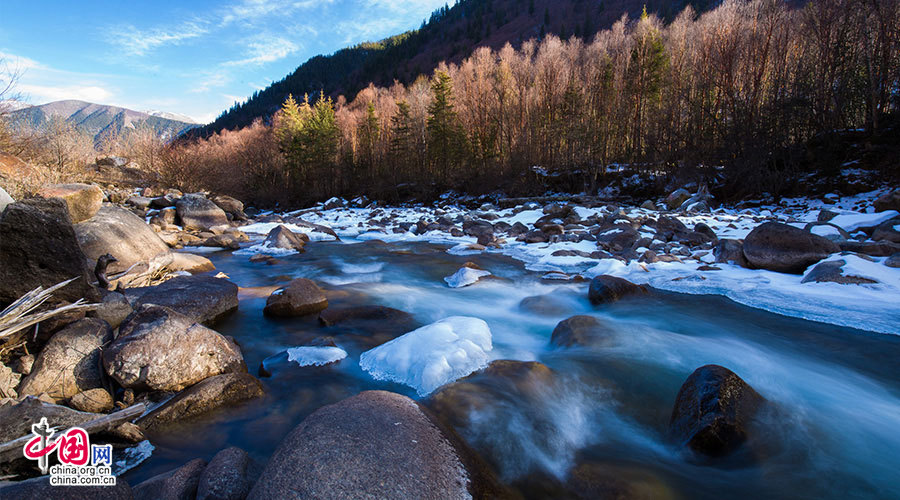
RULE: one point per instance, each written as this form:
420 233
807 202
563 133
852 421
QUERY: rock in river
214 392
159 349
713 410
582 331
227 477
204 299
605 289
196 212
785 249
371 446
299 298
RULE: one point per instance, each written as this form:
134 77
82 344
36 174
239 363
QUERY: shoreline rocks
785 249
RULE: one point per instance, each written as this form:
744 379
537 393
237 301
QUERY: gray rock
785 249
114 308
833 272
160 349
70 362
196 212
39 488
605 289
96 400
618 238
38 247
230 206
889 201
546 305
713 410
677 198
729 251
649 205
83 200
371 446
871 248
299 298
214 392
583 331
284 238
886 231
227 477
122 234
204 299
893 261
179 484
826 215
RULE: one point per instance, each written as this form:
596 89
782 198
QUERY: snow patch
433 355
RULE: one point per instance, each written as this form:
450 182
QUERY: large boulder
299 298
227 477
38 247
582 331
785 249
196 212
70 362
120 233
230 206
83 200
39 488
204 299
605 289
713 410
214 392
373 445
178 484
160 349
283 238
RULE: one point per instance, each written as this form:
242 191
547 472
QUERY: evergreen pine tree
446 139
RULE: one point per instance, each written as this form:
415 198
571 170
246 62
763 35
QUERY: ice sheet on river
433 355
315 355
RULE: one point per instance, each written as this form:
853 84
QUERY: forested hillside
752 93
451 34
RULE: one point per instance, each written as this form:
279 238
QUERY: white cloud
135 42
264 49
48 93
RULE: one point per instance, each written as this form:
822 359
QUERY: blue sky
189 57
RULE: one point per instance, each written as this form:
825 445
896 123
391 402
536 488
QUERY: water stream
835 432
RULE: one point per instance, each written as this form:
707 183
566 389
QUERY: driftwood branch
12 450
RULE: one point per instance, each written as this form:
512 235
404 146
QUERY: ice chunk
315 356
130 458
433 355
466 276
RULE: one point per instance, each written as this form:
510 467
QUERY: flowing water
834 433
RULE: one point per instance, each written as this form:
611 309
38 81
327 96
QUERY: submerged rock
373 445
204 299
785 249
605 289
70 362
582 331
214 392
83 200
299 298
160 349
591 481
713 410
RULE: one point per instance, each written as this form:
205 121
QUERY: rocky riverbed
515 349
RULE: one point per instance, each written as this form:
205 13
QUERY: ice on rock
129 458
315 356
853 221
433 355
466 276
